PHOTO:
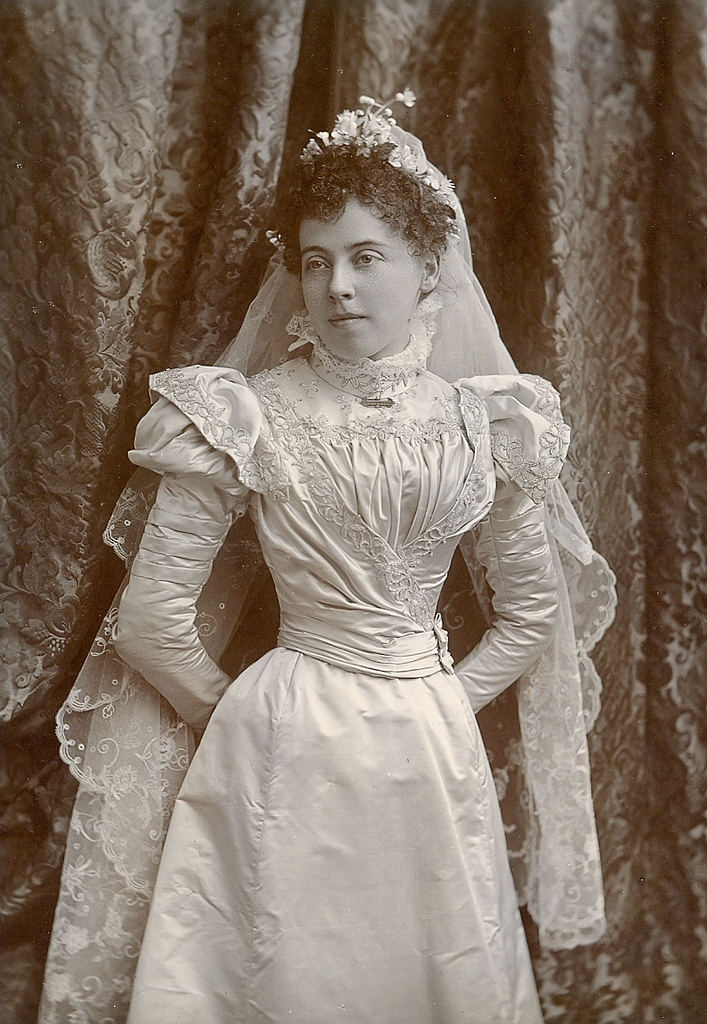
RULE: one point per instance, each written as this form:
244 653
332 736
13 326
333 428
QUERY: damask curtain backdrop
143 143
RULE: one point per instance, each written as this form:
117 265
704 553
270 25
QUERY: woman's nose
341 281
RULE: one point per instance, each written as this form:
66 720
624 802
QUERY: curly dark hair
323 186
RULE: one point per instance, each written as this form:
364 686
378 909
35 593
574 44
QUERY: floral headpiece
369 127
373 126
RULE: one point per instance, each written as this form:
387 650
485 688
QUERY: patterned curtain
142 147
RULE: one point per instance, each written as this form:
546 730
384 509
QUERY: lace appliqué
380 428
535 475
127 521
259 464
129 752
194 399
565 856
592 589
473 501
548 403
375 378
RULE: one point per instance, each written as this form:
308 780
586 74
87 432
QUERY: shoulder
515 394
216 399
529 437
279 380
451 396
459 405
204 420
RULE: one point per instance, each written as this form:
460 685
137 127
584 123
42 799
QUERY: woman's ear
430 274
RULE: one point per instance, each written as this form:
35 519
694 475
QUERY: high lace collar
377 381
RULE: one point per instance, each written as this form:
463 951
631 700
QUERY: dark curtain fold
142 148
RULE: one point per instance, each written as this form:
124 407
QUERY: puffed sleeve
529 442
200 435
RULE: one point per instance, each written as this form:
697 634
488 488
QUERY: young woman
336 850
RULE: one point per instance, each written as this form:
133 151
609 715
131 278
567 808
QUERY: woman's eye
314 264
366 258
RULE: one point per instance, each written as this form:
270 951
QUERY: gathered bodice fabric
373 488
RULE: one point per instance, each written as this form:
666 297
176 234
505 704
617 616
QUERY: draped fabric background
142 145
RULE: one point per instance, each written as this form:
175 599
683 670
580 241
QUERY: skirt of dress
336 854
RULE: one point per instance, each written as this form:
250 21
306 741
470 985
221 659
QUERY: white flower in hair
407 96
345 126
310 150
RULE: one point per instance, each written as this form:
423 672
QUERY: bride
336 850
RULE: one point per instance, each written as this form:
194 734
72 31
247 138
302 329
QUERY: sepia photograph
352 488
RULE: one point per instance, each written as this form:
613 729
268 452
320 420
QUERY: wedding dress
336 851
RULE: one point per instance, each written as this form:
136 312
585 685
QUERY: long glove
512 545
155 632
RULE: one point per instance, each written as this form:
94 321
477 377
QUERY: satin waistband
410 656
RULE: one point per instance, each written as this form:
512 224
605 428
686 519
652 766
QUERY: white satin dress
336 852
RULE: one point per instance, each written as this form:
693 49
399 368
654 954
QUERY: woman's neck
374 381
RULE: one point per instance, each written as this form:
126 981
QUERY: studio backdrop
143 145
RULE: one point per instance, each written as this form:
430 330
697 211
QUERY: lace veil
129 751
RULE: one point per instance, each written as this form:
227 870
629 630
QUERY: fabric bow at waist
405 657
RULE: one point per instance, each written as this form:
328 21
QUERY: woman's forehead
357 224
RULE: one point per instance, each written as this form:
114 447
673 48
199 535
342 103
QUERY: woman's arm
156 632
512 545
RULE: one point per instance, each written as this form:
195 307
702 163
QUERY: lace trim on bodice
381 429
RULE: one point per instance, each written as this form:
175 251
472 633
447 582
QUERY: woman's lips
344 318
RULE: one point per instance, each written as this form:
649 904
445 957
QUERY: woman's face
361 285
